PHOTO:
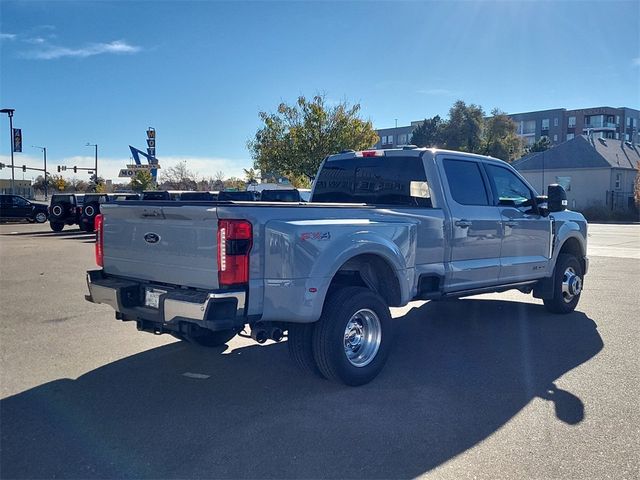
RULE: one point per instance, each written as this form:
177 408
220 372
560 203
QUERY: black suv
91 207
65 209
15 207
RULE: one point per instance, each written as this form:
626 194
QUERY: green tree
142 181
251 175
499 137
428 133
235 183
540 146
463 129
294 140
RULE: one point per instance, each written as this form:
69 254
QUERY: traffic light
75 169
24 168
58 168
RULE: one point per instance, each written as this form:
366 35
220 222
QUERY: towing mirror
556 198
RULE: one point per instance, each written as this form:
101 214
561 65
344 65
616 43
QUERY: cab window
508 188
465 182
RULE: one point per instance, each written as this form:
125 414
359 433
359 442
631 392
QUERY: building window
555 122
572 122
570 136
618 181
617 120
555 138
402 139
545 124
390 138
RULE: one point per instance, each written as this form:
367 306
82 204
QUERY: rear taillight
234 244
99 241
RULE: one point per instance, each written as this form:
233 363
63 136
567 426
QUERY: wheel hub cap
362 337
571 284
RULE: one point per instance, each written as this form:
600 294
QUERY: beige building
22 187
595 172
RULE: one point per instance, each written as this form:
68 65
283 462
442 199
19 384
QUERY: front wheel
352 339
41 217
567 285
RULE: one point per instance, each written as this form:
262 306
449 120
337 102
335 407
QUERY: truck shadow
459 372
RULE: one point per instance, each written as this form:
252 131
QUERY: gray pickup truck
384 227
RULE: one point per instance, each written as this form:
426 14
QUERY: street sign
142 166
17 140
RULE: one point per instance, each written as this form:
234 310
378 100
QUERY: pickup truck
383 228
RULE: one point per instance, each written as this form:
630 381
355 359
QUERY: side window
508 187
20 202
465 182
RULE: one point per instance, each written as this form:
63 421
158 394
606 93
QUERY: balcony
600 126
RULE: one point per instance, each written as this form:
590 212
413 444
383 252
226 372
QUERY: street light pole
46 182
96 169
9 111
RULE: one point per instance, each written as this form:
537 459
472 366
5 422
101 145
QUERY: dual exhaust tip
261 335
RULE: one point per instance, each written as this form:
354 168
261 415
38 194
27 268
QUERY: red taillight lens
234 244
99 241
370 153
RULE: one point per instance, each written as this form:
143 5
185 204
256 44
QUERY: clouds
109 167
42 46
51 52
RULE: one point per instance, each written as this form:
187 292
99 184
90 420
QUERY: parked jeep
91 207
65 209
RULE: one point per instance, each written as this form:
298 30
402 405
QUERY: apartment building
558 125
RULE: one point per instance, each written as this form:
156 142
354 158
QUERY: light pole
46 182
9 112
96 169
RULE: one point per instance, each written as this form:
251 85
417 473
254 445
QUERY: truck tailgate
174 244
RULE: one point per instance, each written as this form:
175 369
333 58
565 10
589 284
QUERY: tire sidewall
340 316
40 217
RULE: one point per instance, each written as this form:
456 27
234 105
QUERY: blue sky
199 72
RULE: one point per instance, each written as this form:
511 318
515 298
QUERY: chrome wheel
362 337
571 284
41 217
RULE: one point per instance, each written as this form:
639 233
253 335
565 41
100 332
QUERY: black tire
40 217
56 226
565 302
330 332
300 342
207 338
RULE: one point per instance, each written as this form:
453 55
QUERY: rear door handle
463 223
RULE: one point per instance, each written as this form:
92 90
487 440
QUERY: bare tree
179 177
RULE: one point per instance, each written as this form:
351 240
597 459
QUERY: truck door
526 234
475 229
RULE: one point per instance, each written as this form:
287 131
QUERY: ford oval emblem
151 237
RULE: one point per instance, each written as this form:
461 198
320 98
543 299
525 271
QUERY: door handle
463 223
511 223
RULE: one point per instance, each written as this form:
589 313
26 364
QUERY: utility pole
96 166
46 181
9 112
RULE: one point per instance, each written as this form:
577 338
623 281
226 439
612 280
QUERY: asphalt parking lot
490 387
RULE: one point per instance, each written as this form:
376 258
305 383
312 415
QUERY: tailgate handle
463 223
152 213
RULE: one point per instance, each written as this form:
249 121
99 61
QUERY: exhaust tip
277 334
259 335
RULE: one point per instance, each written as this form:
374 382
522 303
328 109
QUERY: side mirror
556 198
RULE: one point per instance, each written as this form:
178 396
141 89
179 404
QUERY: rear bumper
178 309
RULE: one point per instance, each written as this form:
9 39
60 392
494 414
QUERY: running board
493 289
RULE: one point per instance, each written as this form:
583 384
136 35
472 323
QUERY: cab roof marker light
370 153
